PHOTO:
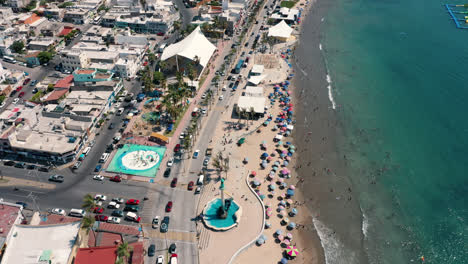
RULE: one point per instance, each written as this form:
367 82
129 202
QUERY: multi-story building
41 44
73 59
76 16
17 5
54 13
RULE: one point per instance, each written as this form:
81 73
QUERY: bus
239 66
9 59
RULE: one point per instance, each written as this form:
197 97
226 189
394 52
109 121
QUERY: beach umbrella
290 192
271 186
289 235
264 155
292 187
280 237
289 201
292 225
282 196
292 147
262 196
267 225
282 213
275 168
256 183
284 171
268 204
280 180
287 158
253 173
260 241
285 220
281 208
263 165
263 142
294 211
276 163
285 163
269 213
279 232
264 237
269 158
292 151
283 203
292 251
284 261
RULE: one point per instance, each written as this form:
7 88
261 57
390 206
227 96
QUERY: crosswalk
171 235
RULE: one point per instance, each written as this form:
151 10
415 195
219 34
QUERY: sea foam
335 252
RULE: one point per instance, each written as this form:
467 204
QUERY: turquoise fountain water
211 215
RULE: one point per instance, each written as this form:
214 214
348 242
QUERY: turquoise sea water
399 73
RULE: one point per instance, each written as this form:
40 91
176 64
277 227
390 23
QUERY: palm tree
217 163
123 251
89 203
87 223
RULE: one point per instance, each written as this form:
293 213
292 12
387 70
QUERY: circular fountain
140 159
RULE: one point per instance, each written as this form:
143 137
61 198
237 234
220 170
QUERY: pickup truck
208 151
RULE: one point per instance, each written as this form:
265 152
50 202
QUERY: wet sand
322 171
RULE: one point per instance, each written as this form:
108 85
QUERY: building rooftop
33 244
59 219
8 215
33 18
65 82
84 71
101 255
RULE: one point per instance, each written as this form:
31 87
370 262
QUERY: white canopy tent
194 45
280 30
249 102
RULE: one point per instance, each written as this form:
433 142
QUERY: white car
58 211
182 135
155 222
170 162
160 259
118 200
100 197
113 205
221 97
203 111
16 100
113 220
98 177
2 104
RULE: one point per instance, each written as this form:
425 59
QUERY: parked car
35 90
190 186
98 168
206 161
198 190
133 201
174 182
116 178
196 153
98 210
56 178
102 218
31 167
113 205
15 101
172 248
118 213
177 148
58 211
164 224
118 200
100 197
170 162
9 163
133 217
20 165
113 220
131 208
98 177
155 222
20 95
167 172
77 165
34 82
26 81
151 250
160 259
169 206
111 126
19 88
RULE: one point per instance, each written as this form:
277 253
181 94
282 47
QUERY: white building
76 16
194 48
71 60
289 15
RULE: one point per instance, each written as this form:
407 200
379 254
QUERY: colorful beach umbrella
292 225
292 187
272 187
281 208
280 237
253 173
289 201
289 235
282 213
294 211
286 241
279 232
290 192
283 203
280 180
292 251
267 224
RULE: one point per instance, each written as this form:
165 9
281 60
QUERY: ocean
398 74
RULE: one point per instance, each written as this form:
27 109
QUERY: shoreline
337 220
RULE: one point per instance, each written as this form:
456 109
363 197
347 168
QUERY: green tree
50 87
87 223
159 77
221 163
17 46
45 56
123 251
89 203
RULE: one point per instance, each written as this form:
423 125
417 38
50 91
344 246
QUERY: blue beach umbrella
279 232
290 192
292 225
262 196
294 211
273 187
284 261
260 241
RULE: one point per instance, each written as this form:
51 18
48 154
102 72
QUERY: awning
160 137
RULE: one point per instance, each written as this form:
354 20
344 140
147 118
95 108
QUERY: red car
145 63
133 201
26 81
21 94
160 34
177 148
102 218
116 178
169 206
19 88
98 210
190 186
174 182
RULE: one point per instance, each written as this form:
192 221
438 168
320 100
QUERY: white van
104 157
200 179
86 151
77 212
